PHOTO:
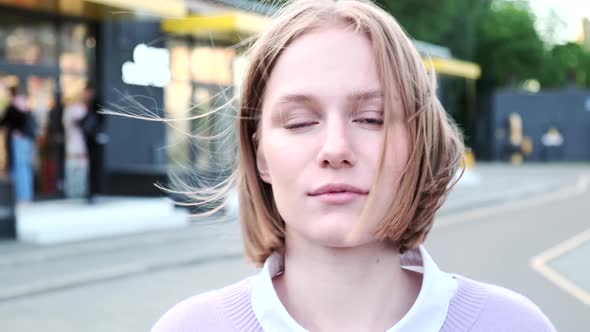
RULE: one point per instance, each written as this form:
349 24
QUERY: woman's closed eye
299 120
372 119
300 124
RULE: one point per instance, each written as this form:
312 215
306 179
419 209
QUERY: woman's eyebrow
296 98
278 112
363 95
356 96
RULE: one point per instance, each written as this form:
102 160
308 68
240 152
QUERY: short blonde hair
436 145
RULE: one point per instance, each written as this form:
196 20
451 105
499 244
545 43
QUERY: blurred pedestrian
515 139
552 141
76 164
345 155
22 130
95 138
55 136
6 123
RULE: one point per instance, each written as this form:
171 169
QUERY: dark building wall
483 140
565 110
134 157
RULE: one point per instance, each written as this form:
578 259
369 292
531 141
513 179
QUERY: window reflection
74 38
27 41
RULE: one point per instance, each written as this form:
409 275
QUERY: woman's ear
261 163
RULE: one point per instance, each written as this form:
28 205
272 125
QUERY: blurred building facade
553 125
50 55
51 49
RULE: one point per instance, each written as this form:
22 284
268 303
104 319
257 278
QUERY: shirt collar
428 312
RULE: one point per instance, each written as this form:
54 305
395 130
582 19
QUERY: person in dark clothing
21 128
13 119
56 148
94 137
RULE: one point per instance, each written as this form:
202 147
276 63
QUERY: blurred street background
89 243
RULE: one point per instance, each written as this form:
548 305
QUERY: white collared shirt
427 314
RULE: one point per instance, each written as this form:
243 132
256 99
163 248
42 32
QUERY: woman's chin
340 232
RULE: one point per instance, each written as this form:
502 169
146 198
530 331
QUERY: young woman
345 156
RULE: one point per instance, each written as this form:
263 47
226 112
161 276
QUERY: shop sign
150 67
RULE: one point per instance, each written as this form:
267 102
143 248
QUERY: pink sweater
476 307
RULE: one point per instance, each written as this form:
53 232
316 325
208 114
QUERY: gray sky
570 11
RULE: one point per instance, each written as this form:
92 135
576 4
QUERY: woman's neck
346 289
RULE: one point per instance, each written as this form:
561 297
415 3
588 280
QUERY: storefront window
75 41
177 98
41 53
212 65
25 40
179 63
31 45
177 101
201 79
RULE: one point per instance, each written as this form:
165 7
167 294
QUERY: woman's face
321 136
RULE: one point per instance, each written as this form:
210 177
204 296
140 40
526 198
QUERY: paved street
497 244
125 283
119 305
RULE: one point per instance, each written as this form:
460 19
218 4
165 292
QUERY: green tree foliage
508 48
566 64
450 23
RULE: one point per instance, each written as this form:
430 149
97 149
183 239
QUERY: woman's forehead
331 61
328 47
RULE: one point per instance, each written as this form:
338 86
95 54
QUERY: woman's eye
370 121
378 121
299 125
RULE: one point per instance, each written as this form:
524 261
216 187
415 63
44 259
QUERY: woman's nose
337 146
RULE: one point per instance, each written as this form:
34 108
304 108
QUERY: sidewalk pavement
69 220
27 269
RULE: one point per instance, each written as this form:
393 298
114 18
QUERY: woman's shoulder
211 311
496 308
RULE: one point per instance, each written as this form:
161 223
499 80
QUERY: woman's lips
339 198
338 193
